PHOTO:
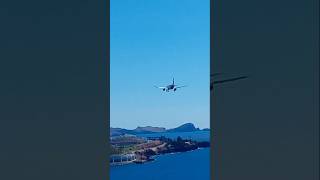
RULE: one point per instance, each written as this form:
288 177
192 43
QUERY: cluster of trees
182 145
149 152
168 140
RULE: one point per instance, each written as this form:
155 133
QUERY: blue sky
152 41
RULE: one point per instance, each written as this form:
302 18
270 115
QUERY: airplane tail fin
173 81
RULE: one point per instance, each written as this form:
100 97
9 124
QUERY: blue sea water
185 166
195 135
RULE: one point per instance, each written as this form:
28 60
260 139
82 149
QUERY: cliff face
188 127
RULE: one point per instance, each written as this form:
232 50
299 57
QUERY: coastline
153 158
140 149
150 150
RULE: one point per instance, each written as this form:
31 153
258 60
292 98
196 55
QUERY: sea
185 166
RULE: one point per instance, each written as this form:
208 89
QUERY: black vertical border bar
108 90
316 90
212 172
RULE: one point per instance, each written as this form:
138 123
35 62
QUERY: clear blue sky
151 42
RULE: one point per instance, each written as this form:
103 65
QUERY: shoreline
153 157
130 149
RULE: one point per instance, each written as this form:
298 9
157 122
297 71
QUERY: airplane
169 87
212 82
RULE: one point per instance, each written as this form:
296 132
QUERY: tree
179 139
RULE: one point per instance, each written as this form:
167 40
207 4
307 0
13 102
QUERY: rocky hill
188 127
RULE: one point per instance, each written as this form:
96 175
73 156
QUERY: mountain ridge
186 127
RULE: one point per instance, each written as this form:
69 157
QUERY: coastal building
122 158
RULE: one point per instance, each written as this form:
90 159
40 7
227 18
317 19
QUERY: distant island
187 127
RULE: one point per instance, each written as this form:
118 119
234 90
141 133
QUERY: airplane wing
228 80
180 86
160 87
